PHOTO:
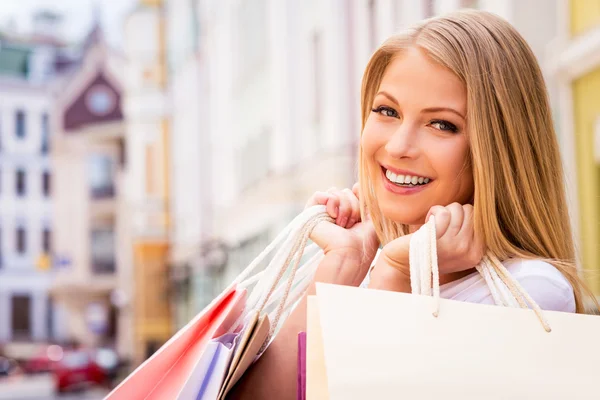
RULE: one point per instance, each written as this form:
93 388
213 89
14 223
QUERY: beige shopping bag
250 344
316 373
388 345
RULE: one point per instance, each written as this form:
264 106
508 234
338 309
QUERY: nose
404 142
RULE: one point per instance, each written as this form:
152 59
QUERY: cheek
370 141
448 157
373 137
451 162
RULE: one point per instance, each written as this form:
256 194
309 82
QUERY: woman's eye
386 111
444 126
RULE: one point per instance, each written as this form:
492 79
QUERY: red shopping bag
164 374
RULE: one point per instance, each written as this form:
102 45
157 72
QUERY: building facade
575 64
93 277
265 99
27 66
147 179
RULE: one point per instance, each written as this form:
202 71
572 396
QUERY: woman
456 124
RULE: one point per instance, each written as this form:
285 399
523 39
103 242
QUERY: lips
407 187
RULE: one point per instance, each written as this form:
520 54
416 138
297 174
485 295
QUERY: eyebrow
430 109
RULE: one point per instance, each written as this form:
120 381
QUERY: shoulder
546 285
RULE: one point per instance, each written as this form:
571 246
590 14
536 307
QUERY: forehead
414 76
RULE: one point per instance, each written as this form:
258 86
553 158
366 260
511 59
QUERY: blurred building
574 63
28 64
148 179
190 147
93 281
265 111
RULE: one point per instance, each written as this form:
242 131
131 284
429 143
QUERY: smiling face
414 140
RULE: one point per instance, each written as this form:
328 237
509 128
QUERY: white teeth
405 179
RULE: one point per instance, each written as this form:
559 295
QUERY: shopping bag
301 384
366 343
250 344
205 382
316 373
213 351
165 373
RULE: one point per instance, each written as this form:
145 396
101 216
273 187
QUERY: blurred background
150 149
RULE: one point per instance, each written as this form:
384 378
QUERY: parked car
43 359
78 369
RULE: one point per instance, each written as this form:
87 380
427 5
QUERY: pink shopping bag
301 388
165 374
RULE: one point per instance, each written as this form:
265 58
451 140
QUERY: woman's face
414 140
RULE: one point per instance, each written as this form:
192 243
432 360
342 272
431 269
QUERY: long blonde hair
519 196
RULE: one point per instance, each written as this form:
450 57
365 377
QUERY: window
20 124
103 251
150 158
317 77
254 159
47 240
372 24
21 317
101 173
469 4
252 38
46 183
50 318
45 134
21 240
21 186
429 8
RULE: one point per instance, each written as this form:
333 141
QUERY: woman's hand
458 248
348 238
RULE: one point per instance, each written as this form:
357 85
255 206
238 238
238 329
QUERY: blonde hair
519 196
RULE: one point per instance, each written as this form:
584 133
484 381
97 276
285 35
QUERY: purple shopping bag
301 366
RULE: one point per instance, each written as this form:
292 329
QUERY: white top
544 283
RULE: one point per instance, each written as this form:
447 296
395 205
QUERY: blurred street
41 387
151 149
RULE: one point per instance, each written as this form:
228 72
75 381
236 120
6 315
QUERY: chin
402 215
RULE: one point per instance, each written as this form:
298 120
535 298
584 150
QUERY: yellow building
575 64
147 131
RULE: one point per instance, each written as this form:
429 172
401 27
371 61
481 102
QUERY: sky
78 16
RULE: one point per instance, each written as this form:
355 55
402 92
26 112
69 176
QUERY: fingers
355 214
345 207
342 205
442 219
356 189
467 223
456 218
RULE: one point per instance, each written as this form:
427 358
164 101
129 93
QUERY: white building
27 312
277 117
90 215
